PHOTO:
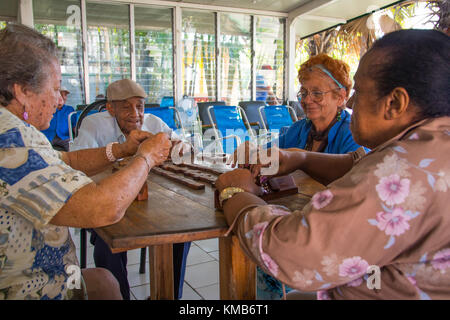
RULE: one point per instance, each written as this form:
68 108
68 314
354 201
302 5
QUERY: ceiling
307 16
333 13
283 6
310 16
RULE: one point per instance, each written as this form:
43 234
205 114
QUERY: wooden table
174 213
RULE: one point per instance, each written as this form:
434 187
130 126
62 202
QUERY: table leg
237 272
161 272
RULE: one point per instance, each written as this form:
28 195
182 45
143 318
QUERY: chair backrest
231 118
94 107
278 116
297 108
251 109
166 114
203 111
167 101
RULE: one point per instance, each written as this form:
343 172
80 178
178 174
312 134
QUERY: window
109 59
154 51
8 11
60 21
235 48
269 59
108 45
199 55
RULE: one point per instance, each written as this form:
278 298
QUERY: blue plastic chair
203 111
277 117
232 122
229 118
166 101
251 109
168 115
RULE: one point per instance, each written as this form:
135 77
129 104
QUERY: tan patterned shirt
391 211
34 185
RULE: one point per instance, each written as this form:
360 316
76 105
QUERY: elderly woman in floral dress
43 191
387 209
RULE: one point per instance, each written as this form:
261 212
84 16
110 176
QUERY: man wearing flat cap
125 106
58 132
125 112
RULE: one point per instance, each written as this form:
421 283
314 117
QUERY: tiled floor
202 272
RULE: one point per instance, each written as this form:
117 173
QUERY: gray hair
26 58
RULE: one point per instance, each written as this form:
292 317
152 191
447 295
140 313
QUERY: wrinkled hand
182 152
263 163
241 178
244 155
134 139
155 149
257 160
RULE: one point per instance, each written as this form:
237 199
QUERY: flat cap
124 89
63 88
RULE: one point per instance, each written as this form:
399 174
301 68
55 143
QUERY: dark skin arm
323 167
241 178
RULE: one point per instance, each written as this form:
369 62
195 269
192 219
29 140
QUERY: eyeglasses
316 96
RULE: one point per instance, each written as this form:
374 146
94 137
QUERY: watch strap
228 192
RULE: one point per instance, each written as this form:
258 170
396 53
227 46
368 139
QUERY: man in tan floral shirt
388 209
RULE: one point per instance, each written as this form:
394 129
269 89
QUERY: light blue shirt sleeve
86 136
155 125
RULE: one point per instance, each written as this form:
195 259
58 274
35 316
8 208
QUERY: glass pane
235 43
154 51
199 55
108 45
8 11
269 59
60 21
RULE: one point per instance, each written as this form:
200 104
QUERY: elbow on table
102 212
108 216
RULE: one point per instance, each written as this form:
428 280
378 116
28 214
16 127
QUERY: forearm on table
323 167
104 203
92 161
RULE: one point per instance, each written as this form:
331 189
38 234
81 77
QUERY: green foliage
402 13
350 47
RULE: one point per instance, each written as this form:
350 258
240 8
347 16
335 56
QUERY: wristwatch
227 193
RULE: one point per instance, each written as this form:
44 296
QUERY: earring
339 118
25 114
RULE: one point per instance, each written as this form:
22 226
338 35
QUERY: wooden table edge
118 245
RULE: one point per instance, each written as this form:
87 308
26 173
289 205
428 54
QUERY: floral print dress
34 185
391 211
